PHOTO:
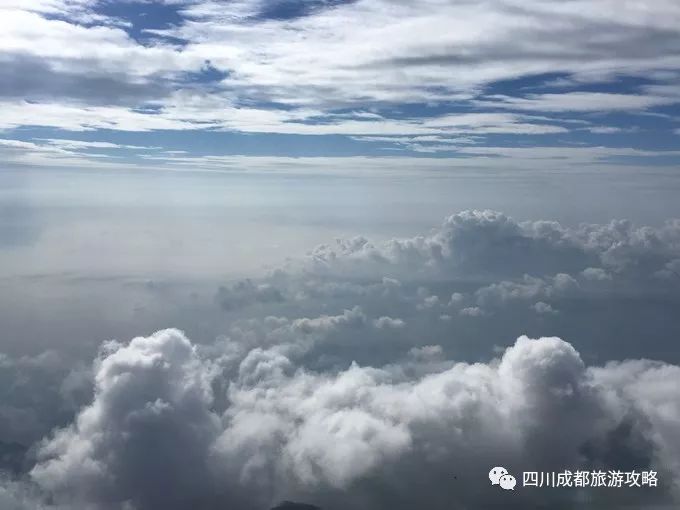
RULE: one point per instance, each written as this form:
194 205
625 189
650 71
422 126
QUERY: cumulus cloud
246 292
471 311
529 288
16 495
542 307
484 263
595 273
365 376
146 435
156 435
38 393
489 243
388 322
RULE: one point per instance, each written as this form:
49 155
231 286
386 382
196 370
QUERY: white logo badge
496 473
500 476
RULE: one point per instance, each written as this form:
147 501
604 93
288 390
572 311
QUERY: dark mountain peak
289 505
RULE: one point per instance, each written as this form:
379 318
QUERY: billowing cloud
246 292
376 375
488 243
155 433
146 435
38 393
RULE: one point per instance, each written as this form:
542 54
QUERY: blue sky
209 84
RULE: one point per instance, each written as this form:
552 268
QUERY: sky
349 254
249 83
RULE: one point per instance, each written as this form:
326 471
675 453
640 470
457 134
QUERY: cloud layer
412 77
378 376
155 435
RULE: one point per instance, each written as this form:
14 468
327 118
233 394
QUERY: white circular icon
496 473
508 482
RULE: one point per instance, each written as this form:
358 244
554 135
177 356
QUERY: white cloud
73 47
78 154
184 111
151 414
426 51
388 323
580 101
406 52
595 273
528 289
488 242
542 308
81 144
297 401
246 292
154 434
471 311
